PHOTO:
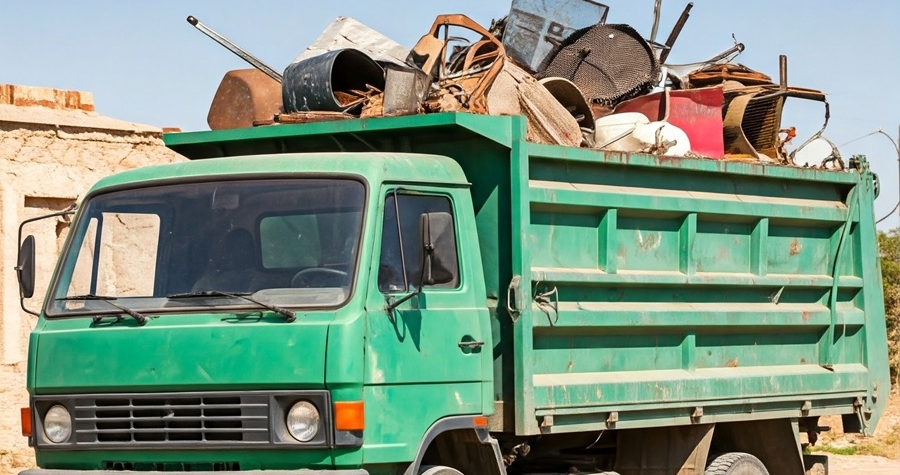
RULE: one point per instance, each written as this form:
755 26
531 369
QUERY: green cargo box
635 291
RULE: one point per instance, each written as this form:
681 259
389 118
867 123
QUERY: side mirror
439 260
25 268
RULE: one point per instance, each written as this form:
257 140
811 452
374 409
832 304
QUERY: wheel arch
775 442
458 443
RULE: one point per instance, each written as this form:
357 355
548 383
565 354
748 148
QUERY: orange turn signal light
349 415
26 422
480 421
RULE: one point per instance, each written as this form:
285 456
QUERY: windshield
288 242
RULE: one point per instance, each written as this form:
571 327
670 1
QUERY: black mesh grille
201 420
609 63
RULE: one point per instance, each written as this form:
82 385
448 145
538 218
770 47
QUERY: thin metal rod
727 55
676 32
657 10
896 144
253 60
889 214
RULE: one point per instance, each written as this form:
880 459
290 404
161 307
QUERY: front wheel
439 470
736 463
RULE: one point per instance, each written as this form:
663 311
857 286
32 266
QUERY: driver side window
400 267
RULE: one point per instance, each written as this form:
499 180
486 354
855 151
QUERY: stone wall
53 147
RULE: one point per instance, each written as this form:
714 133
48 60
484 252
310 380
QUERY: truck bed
632 290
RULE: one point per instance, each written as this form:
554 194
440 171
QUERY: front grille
172 466
162 419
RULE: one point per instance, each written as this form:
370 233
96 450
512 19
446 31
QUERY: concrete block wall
53 147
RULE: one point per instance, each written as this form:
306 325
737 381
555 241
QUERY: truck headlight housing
302 421
58 424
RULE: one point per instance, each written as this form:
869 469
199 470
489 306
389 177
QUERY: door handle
471 344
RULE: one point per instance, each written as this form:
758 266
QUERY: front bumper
40 471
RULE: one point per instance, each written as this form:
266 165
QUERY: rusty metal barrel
322 82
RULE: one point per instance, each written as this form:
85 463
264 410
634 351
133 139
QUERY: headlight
58 424
303 421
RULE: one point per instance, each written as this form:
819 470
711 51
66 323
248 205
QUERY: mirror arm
25 309
70 210
393 304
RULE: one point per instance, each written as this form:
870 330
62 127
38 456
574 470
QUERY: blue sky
144 63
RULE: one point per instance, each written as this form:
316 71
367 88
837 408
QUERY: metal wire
897 148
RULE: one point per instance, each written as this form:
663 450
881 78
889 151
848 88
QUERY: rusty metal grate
154 419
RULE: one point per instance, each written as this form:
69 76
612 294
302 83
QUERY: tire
736 463
439 470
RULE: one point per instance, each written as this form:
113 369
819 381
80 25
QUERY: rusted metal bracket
864 416
806 407
697 414
546 422
612 419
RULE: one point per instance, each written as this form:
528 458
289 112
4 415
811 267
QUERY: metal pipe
253 60
727 55
657 10
783 71
676 32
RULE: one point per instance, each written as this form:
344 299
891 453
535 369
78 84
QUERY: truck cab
274 304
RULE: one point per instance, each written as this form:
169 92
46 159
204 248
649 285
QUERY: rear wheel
736 463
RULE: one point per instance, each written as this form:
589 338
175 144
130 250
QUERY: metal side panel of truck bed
632 291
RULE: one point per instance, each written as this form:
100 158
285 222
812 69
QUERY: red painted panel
696 111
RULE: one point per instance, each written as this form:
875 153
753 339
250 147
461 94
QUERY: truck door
424 358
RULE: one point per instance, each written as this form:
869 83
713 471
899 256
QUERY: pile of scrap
578 80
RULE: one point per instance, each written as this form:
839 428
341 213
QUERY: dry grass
887 447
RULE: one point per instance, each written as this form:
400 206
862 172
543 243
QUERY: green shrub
889 248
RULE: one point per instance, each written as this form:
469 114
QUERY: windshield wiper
289 315
138 316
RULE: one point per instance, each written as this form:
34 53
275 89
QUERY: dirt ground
856 455
862 465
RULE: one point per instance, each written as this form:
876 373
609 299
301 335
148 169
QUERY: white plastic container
615 131
646 134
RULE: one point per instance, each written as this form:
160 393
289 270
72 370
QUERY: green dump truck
435 295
